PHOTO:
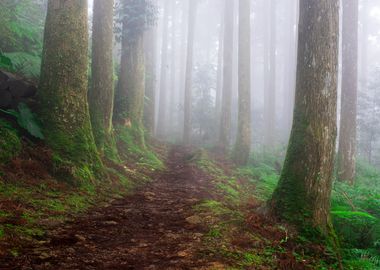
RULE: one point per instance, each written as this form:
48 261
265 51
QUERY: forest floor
185 218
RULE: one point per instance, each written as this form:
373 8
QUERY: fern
27 120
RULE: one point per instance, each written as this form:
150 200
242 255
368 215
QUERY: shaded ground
155 228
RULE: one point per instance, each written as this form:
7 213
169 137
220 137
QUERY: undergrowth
355 212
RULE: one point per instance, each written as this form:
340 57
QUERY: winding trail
155 228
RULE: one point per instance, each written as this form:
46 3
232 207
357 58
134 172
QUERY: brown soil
155 228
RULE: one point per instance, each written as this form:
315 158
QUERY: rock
110 222
5 76
20 89
194 220
183 254
80 238
5 100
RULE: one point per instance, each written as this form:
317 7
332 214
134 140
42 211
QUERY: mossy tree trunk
225 115
243 139
302 196
347 132
129 98
187 126
63 88
150 79
101 94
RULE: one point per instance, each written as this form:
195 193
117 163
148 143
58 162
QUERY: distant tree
163 99
101 94
63 86
347 132
189 71
243 139
129 99
302 196
150 79
270 77
228 44
219 79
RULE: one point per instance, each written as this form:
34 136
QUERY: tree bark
150 79
187 129
270 89
101 94
129 98
347 135
302 196
243 140
63 87
163 100
226 113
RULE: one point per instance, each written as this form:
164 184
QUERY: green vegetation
10 143
355 212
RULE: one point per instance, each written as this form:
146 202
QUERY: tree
129 100
189 72
225 121
63 89
150 79
243 139
270 77
162 108
302 196
347 134
101 94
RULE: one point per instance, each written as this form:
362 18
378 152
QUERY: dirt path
153 229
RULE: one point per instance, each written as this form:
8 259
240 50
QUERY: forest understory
197 213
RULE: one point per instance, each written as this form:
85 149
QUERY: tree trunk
163 102
347 134
189 73
129 102
150 79
101 95
270 89
63 87
226 113
243 140
219 79
302 196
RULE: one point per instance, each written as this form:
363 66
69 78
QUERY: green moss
132 151
10 142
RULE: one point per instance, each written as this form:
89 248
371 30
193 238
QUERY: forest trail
155 228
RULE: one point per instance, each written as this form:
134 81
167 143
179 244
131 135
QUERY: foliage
10 143
27 120
138 15
21 35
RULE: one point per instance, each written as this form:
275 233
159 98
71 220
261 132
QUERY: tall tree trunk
101 94
270 90
364 45
347 133
150 79
302 196
243 139
63 87
173 71
189 72
219 78
129 102
228 45
162 108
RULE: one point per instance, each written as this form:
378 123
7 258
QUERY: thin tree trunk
219 79
302 196
347 135
187 128
101 94
243 140
150 79
270 91
226 113
63 88
162 108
